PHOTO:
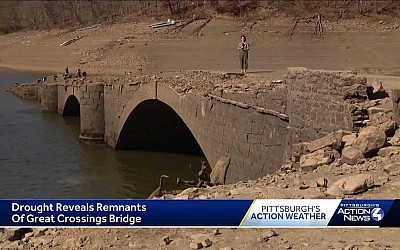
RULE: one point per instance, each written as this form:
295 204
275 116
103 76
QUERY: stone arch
64 93
148 98
71 107
155 126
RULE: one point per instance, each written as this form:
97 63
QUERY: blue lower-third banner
272 213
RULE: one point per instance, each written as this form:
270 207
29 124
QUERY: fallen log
68 42
185 182
186 23
156 24
197 30
162 25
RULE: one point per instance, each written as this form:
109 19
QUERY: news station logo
359 212
377 214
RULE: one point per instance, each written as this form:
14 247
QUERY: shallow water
41 156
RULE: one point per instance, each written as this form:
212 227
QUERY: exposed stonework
321 102
49 97
90 95
28 91
92 108
254 120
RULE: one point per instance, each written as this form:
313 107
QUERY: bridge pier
92 113
49 97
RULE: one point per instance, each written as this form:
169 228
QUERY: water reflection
41 157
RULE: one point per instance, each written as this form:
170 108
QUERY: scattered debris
267 235
216 232
169 22
89 28
165 241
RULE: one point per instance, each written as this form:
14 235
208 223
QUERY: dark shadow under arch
72 107
154 126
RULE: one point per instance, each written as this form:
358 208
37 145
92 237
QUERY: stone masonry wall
322 102
253 120
49 97
272 96
28 91
92 111
90 95
255 140
116 96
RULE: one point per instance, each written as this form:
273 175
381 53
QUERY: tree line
17 15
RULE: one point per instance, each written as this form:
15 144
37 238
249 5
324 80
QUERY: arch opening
155 126
72 107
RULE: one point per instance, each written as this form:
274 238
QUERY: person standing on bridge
243 48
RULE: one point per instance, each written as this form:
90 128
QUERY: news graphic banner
200 213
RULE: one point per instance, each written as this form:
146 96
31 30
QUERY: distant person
243 48
78 73
66 71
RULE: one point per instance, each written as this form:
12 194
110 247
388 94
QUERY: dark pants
244 59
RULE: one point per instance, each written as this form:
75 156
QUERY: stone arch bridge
252 119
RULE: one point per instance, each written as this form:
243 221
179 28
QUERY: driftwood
167 23
218 174
156 24
162 25
159 192
197 30
68 42
182 26
252 26
185 182
88 28
202 177
318 28
294 26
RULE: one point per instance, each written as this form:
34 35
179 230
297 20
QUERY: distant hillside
17 15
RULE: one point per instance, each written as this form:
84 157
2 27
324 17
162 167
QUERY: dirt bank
367 47
363 45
